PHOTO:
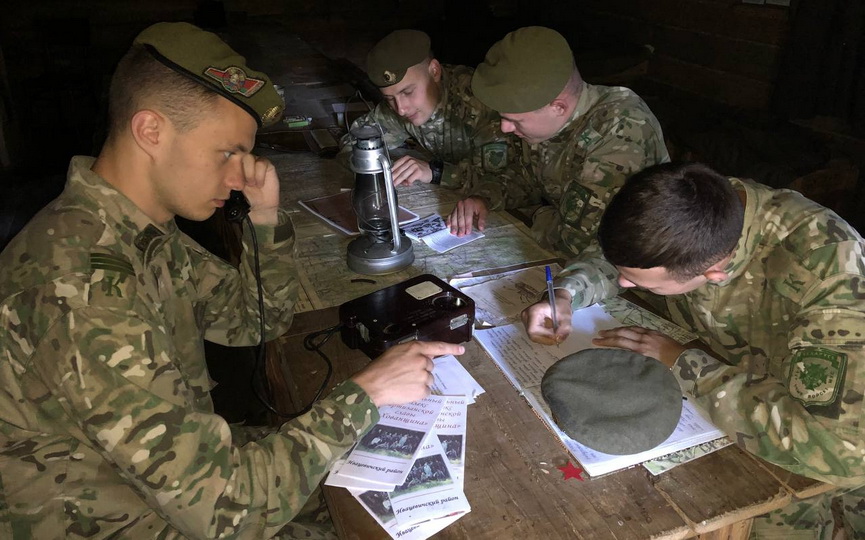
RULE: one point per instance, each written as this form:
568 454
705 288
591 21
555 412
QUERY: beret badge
234 80
389 76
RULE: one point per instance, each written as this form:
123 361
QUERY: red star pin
570 471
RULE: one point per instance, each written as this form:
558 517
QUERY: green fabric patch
816 375
495 156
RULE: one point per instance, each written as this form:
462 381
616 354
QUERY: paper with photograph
378 506
434 232
385 454
450 428
430 489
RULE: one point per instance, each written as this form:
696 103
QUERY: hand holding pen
552 296
555 309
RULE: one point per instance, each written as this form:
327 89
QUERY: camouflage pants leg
312 522
852 509
800 520
815 517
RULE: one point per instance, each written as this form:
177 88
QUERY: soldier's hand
261 189
464 214
642 340
407 170
403 373
539 322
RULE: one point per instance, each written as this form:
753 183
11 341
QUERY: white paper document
433 231
500 299
379 507
450 378
450 428
524 363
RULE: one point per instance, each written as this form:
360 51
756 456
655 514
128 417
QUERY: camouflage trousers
818 518
312 522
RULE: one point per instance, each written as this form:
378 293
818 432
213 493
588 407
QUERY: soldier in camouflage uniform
434 105
773 284
106 424
579 141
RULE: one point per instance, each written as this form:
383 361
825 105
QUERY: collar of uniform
120 213
744 251
589 95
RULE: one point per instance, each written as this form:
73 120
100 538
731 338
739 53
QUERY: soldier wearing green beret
579 141
106 421
773 284
433 104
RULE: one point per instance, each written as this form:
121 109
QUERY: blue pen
552 300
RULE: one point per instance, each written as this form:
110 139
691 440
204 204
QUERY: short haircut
683 217
141 81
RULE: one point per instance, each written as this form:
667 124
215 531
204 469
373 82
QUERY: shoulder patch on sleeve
495 156
816 376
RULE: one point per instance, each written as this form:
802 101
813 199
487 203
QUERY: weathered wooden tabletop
513 484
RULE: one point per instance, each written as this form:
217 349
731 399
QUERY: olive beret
613 401
205 58
391 57
524 71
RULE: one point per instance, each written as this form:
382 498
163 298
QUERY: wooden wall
720 50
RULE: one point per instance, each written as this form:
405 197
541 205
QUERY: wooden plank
737 531
733 90
722 488
746 58
734 20
801 487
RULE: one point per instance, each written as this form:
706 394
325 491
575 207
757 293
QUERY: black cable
308 341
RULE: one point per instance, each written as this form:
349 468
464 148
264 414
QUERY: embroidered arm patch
816 378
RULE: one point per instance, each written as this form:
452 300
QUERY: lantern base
374 258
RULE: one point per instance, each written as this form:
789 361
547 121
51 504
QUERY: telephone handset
236 207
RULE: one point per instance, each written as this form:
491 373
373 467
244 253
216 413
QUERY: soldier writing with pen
773 284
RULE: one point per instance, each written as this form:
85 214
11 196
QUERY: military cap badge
234 80
389 76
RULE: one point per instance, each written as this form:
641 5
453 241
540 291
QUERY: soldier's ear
559 107
716 273
148 130
435 70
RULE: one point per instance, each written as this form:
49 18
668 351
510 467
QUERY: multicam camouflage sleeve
807 421
614 149
182 461
589 278
612 135
232 315
512 187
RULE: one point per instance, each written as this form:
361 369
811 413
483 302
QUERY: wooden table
515 489
512 481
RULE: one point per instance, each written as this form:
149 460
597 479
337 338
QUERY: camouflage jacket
106 424
790 323
462 132
611 135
